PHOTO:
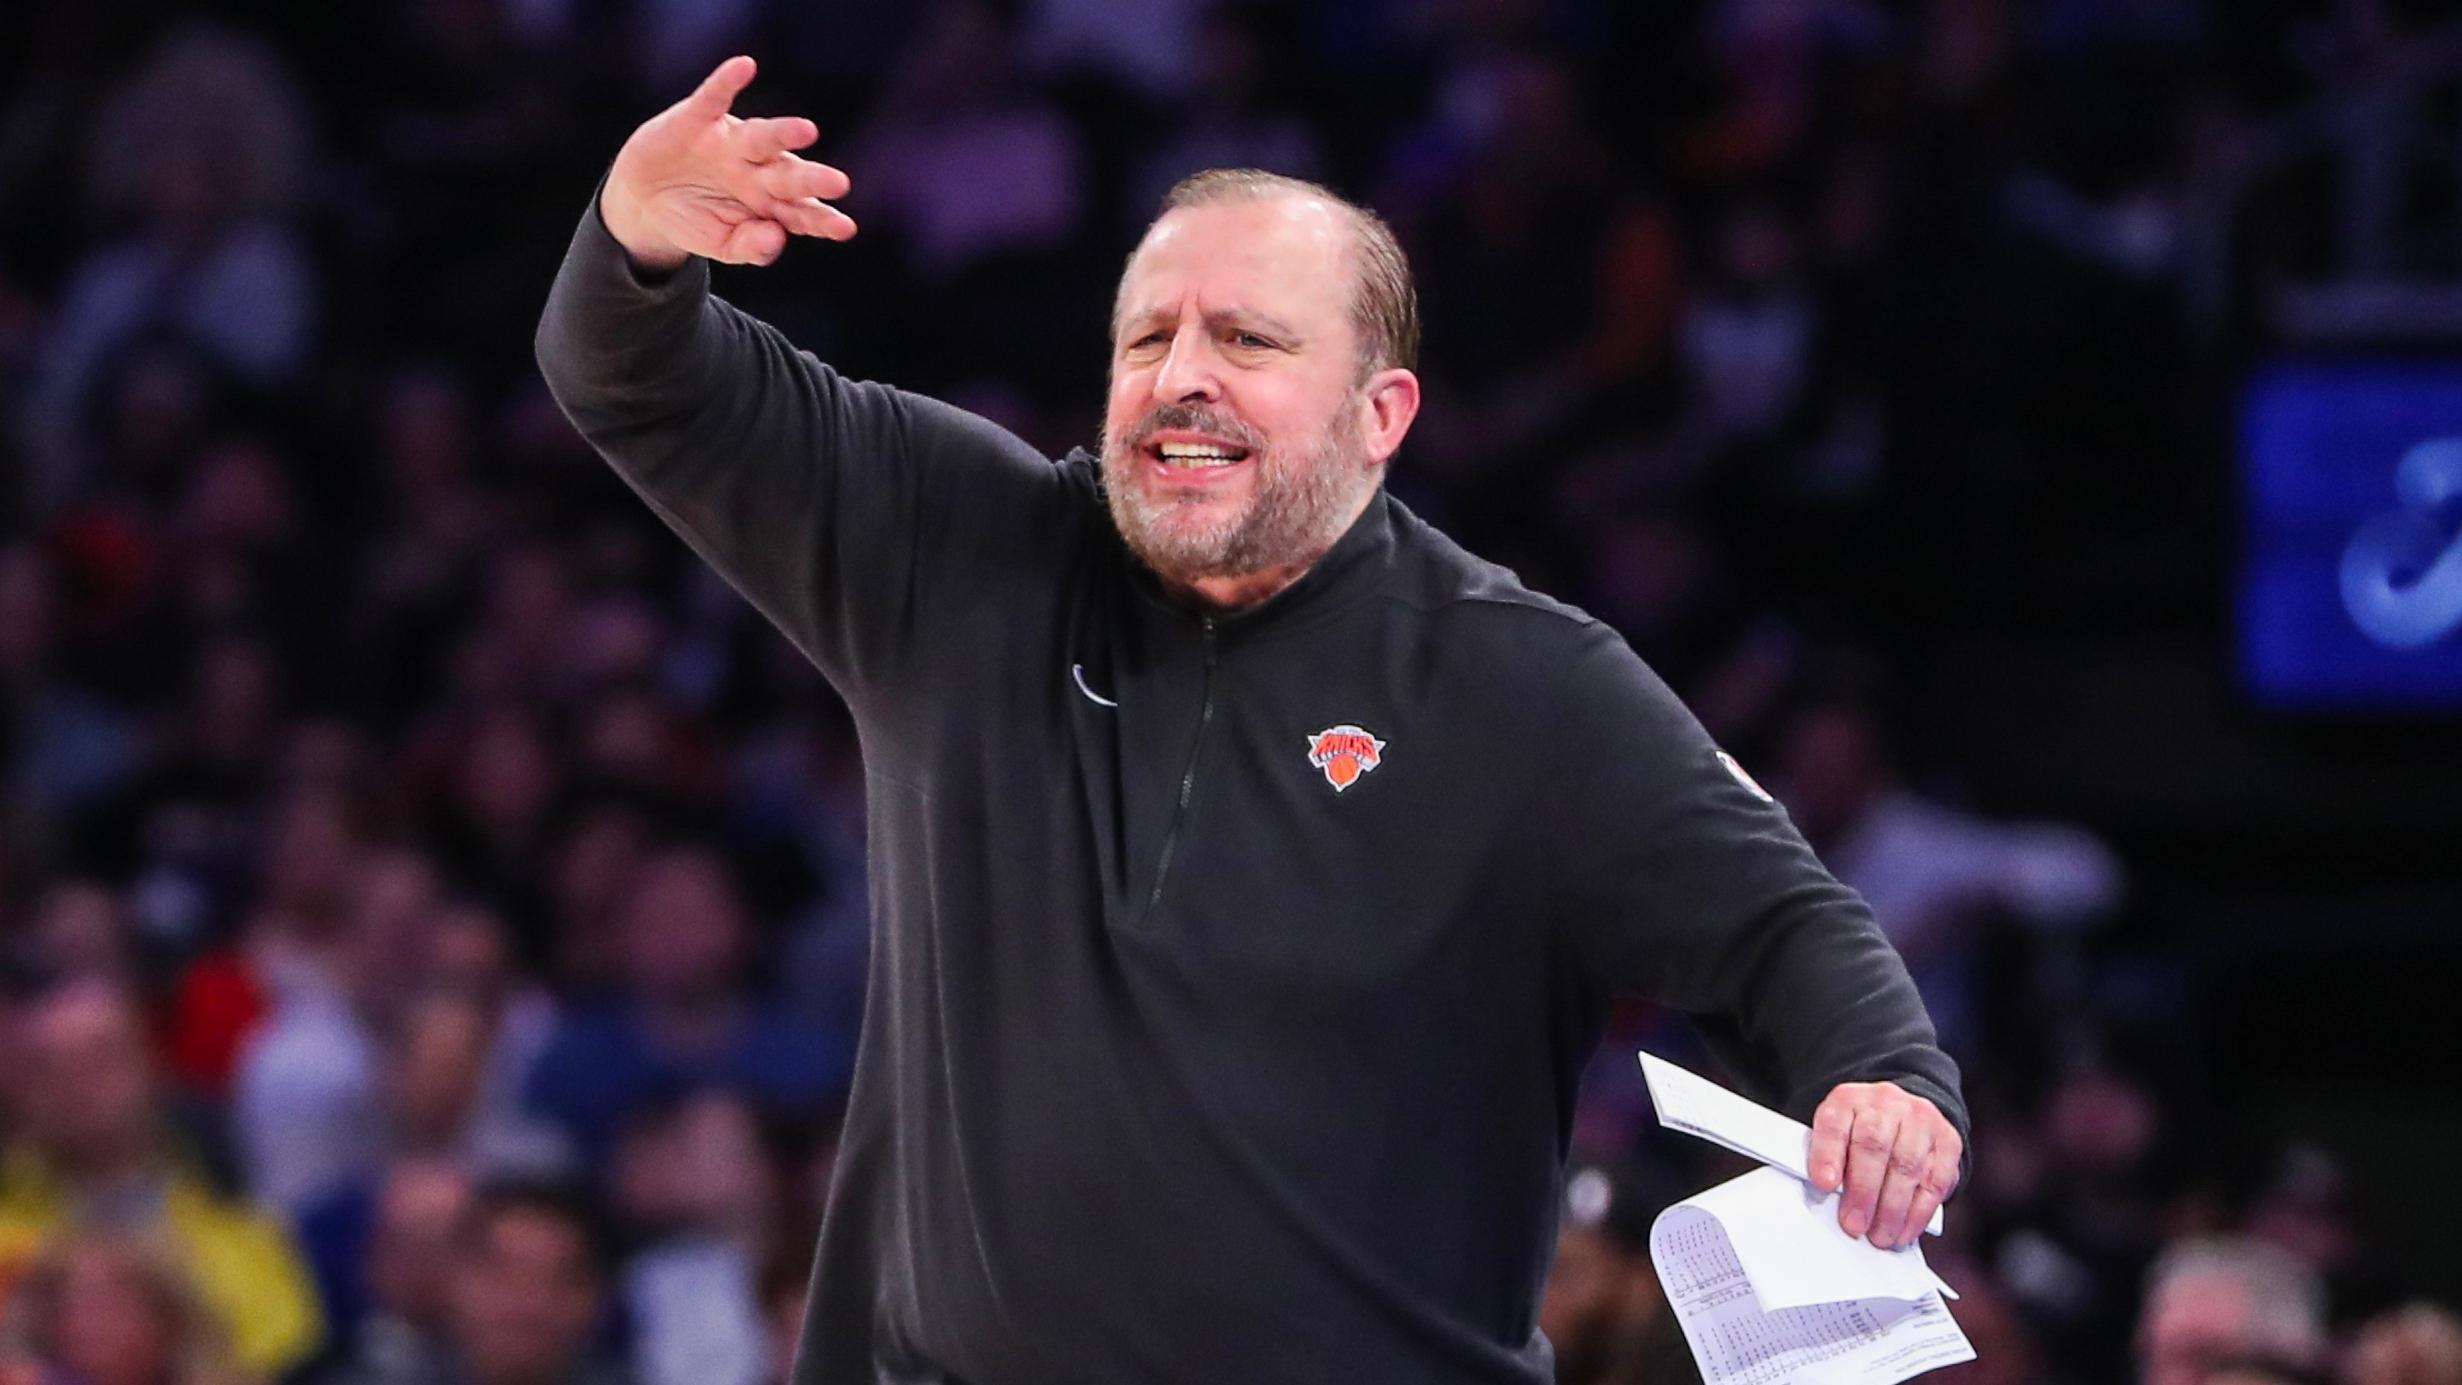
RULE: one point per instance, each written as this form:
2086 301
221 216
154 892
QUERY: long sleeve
1685 882
857 517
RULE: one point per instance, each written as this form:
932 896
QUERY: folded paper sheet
1697 1106
1766 1287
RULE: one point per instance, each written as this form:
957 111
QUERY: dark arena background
2022 430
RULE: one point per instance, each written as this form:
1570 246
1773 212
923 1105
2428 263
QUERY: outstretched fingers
811 217
793 191
763 138
752 162
790 179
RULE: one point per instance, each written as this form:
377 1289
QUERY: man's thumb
718 90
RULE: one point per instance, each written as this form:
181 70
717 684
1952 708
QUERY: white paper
1697 1106
1786 1237
1863 1341
1768 1289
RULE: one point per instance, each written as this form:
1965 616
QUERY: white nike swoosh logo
1078 671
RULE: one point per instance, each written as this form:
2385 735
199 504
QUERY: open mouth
1190 454
1195 456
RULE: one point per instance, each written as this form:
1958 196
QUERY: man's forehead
1284 247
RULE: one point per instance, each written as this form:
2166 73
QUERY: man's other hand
1898 1156
696 180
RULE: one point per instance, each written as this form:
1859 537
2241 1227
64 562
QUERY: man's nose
1188 372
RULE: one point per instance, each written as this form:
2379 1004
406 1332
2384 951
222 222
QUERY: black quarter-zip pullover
1232 975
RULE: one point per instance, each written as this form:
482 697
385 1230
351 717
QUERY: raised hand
697 180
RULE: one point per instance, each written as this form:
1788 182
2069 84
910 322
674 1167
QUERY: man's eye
1251 340
1148 339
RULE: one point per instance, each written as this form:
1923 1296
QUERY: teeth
1197 454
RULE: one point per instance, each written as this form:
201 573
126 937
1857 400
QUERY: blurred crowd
432 907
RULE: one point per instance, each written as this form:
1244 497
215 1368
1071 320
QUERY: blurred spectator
1932 874
1551 288
1234 114
434 525
184 830
385 1267
305 1104
589 867
2005 1349
633 737
984 187
2255 1373
2303 1205
798 793
211 261
682 1018
456 124
1604 1311
305 869
529 1286
80 932
1141 49
963 160
514 653
108 1308
1754 318
654 45
64 746
1921 864
455 1064
2417 1345
1657 579
238 553
2229 1303
486 782
694 1186
783 1294
2074 1197
457 1041
96 1155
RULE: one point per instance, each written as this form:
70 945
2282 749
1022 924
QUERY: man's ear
1387 403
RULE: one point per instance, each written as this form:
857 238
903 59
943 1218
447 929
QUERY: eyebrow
1230 317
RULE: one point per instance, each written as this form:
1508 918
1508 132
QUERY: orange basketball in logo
1344 753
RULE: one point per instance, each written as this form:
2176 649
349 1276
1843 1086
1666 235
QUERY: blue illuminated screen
2350 583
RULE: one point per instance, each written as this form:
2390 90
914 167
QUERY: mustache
1189 418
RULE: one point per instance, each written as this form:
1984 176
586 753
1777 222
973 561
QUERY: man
1252 868
392 1301
97 1153
680 1017
529 1287
2229 1303
305 1107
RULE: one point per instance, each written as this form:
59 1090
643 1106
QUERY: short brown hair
1384 302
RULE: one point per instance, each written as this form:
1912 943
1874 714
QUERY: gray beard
1299 507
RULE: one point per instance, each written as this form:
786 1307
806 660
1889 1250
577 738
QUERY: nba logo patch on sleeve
1751 785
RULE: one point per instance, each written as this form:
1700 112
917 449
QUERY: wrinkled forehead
1286 255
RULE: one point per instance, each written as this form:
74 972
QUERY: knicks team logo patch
1344 752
